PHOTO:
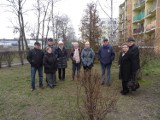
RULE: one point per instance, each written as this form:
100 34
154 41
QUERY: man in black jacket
134 50
35 58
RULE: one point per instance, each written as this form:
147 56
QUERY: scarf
76 56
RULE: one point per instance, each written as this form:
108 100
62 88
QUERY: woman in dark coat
125 71
61 53
50 67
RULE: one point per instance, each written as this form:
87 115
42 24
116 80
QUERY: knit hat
60 42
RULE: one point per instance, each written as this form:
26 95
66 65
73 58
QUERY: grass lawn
17 102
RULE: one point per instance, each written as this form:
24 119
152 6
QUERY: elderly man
134 50
106 56
51 45
35 58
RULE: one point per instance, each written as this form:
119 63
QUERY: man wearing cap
134 50
50 44
35 58
106 56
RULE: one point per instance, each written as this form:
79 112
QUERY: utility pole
111 35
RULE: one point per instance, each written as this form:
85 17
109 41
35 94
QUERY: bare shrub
9 56
92 103
1 58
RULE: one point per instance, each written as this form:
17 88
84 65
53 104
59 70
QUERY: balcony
150 27
151 11
139 4
139 17
139 30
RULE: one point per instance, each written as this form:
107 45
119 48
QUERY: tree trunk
38 20
43 26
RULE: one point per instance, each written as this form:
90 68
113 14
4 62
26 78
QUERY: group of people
54 58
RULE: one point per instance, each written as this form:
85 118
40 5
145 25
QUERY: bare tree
63 28
45 9
38 13
16 7
91 25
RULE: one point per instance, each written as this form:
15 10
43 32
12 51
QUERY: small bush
92 104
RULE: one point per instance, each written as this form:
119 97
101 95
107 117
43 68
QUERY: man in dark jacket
134 50
51 45
35 58
106 56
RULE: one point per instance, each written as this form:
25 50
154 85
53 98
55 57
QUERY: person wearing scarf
76 60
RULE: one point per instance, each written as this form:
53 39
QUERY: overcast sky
73 8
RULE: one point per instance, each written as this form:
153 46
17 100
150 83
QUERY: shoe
125 92
41 87
51 87
102 83
32 89
121 91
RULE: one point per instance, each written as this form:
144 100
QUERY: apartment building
125 20
145 21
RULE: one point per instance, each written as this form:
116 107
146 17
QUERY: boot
73 75
78 74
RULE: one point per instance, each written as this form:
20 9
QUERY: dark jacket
87 56
50 63
134 50
35 57
72 53
61 57
125 69
106 54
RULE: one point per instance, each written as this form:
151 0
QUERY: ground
17 102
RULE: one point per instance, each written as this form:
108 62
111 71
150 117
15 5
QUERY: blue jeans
104 67
76 67
40 74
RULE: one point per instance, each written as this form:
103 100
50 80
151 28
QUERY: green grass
17 102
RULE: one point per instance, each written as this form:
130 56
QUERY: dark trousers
125 86
40 74
61 73
51 79
76 67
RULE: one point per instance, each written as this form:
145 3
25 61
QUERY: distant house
8 42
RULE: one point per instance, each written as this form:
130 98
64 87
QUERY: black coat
61 57
35 57
50 63
134 50
125 69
